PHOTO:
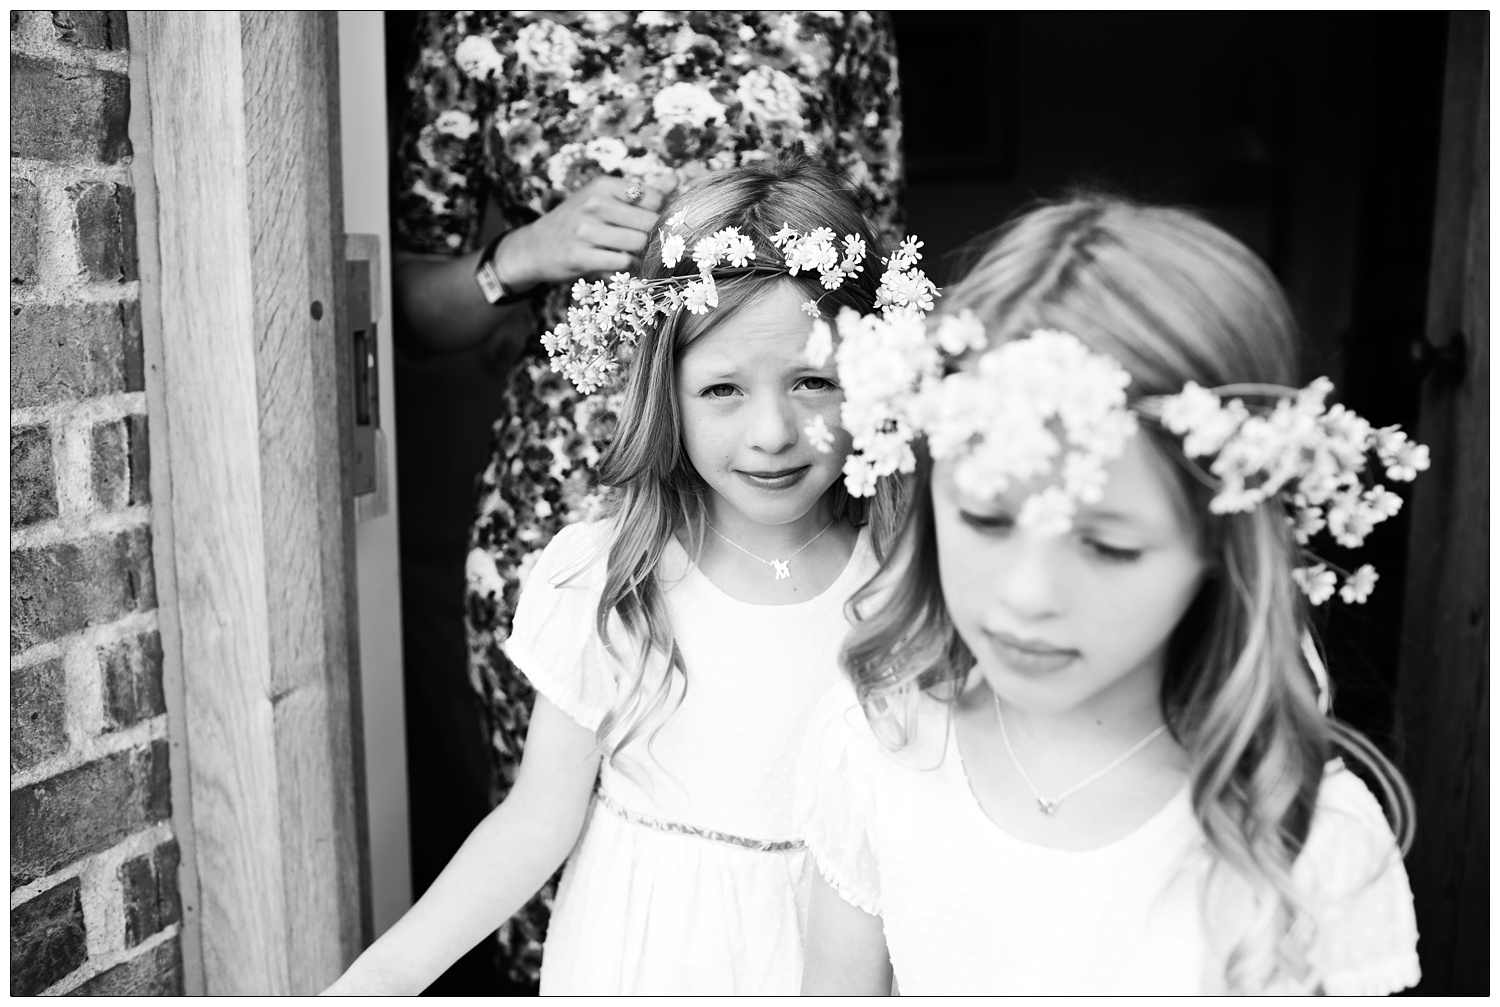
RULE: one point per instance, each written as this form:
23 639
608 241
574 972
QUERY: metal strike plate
371 481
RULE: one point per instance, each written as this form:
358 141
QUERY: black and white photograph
749 503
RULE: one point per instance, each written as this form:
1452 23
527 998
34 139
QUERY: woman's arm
846 953
502 863
439 307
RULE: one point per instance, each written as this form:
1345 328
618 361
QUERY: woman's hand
594 231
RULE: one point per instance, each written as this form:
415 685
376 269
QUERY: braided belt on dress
761 845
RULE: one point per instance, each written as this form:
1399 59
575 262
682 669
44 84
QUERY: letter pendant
782 568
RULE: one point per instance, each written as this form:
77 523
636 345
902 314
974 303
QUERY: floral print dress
523 108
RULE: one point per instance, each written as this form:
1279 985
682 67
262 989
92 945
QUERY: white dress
969 909
648 902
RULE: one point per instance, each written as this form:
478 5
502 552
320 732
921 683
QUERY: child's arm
846 953
503 862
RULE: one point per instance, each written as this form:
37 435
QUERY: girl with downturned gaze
679 641
1083 747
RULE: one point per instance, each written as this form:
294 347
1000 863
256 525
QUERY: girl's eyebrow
1109 515
1117 517
796 365
711 366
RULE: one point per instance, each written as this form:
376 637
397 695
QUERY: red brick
92 29
104 226
131 669
33 490
37 718
137 436
82 811
120 463
154 973
64 587
47 939
24 207
67 113
109 465
61 352
149 885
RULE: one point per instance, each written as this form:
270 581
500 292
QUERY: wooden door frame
235 134
1443 687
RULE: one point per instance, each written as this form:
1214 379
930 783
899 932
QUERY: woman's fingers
599 262
624 214
596 229
621 239
620 188
651 199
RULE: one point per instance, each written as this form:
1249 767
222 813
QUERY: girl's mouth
1029 656
778 480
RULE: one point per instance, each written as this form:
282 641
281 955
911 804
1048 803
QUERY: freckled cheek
708 444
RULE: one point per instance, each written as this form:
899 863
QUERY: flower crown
1046 404
607 318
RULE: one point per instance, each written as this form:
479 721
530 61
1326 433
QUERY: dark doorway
1311 137
1314 137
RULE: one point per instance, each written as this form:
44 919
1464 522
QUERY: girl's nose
1026 580
773 425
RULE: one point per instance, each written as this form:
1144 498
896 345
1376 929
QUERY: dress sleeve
867 105
834 799
439 187
1365 942
553 639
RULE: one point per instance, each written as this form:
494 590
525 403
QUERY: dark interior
1313 137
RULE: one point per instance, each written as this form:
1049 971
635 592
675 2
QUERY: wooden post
1444 693
246 243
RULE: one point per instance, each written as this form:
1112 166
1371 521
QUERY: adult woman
577 124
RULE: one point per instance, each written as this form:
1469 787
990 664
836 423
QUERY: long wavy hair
654 490
1172 299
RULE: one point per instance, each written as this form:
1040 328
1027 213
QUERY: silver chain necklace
782 567
1049 805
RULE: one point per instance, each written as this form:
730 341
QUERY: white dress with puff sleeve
969 909
691 878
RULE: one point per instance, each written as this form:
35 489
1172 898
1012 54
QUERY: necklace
1049 805
781 566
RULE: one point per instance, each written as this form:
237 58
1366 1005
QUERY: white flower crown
607 318
1046 403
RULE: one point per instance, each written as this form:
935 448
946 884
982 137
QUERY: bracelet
489 281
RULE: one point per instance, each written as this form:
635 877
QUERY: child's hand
370 983
503 862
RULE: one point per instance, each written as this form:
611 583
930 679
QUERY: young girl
1091 757
679 643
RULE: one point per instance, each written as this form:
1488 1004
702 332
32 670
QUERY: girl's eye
988 523
816 384
718 391
1113 554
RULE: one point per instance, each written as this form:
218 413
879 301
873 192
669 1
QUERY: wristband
489 281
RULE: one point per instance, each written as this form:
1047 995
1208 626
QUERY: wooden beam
1443 688
248 240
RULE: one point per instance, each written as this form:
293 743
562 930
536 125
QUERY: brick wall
94 892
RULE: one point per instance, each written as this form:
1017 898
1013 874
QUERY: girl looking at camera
679 642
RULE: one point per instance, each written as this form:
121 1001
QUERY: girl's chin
774 508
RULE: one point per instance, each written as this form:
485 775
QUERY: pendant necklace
782 567
1047 805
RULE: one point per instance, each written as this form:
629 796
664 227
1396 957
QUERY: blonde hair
655 492
1172 299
